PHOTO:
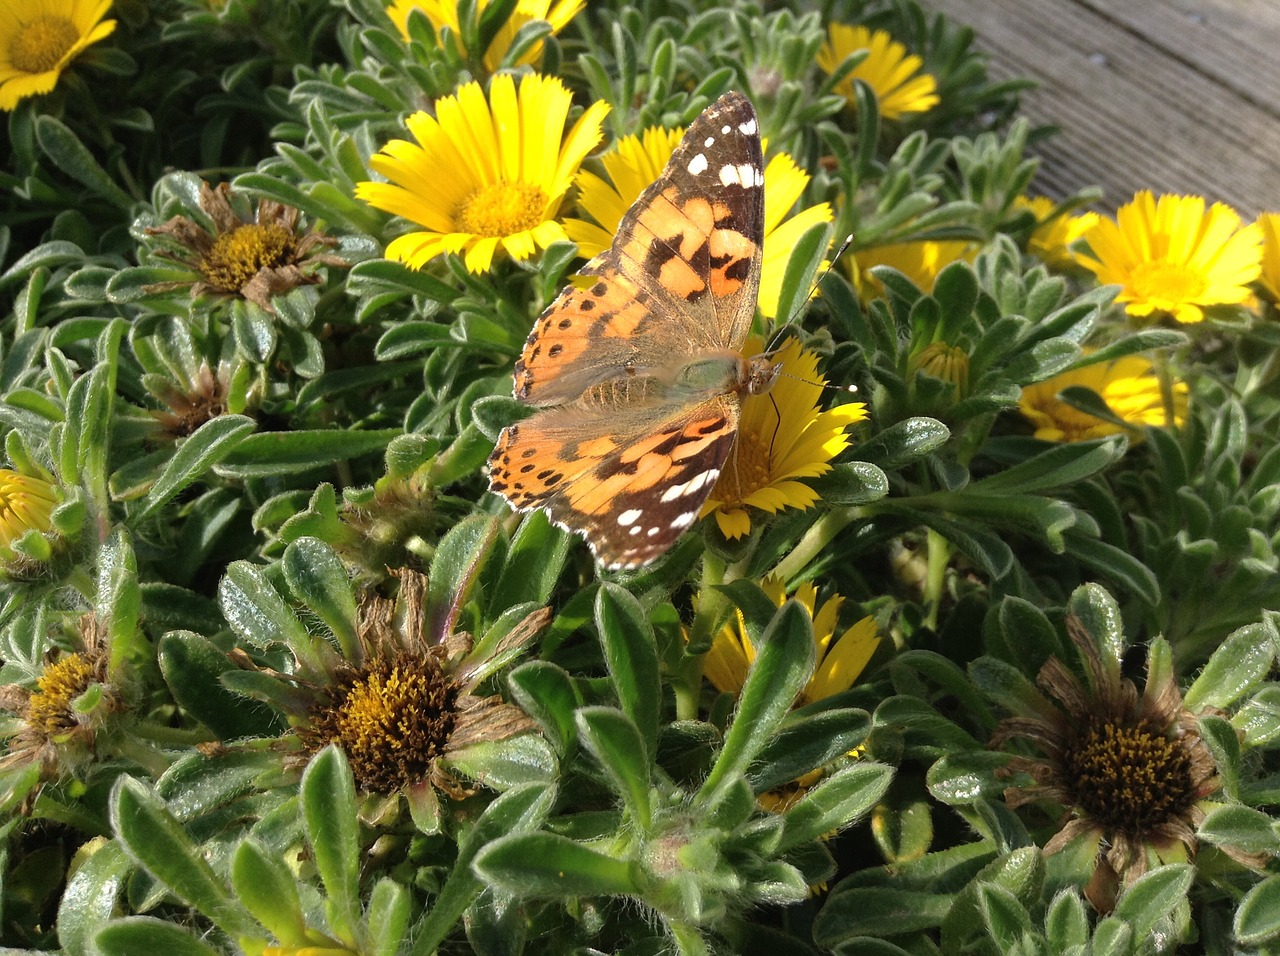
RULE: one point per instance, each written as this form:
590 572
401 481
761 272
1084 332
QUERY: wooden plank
1137 106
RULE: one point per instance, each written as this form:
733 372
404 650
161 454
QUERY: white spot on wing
709 142
748 128
729 176
629 517
698 165
725 129
653 532
684 520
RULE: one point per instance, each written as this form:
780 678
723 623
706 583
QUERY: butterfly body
638 376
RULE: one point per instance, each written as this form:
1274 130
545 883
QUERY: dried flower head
52 731
408 703
1128 768
253 259
203 400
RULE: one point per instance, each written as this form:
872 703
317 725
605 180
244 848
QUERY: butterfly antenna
793 319
781 332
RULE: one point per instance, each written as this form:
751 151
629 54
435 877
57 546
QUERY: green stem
687 678
1165 376
820 534
688 939
939 557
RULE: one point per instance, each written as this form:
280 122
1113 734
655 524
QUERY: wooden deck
1169 95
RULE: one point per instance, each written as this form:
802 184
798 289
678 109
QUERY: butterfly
636 371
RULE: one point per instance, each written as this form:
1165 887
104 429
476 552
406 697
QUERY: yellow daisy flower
38 38
892 72
1269 223
1052 238
1172 257
26 503
782 437
840 661
485 172
1128 385
444 13
918 261
636 161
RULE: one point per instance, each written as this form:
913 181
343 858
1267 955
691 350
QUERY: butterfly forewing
625 450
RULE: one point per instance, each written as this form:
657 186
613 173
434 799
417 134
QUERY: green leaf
454 571
264 884
119 600
1240 827
192 667
91 896
627 640
502 764
903 443
267 454
851 483
258 614
802 265
620 749
1066 924
387 917
783 665
551 866
835 802
1257 918
1004 917
316 575
1100 616
142 934
201 450
516 811
1154 896
866 911
64 148
329 808
545 692
1028 636
1114 564
1239 665
965 777
535 561
806 744
156 841
1059 467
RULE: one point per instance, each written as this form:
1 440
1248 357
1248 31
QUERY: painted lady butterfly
638 376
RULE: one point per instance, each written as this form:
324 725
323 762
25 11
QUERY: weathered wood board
1178 96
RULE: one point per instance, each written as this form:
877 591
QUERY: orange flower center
1166 282
748 468
239 255
501 209
41 43
1130 778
